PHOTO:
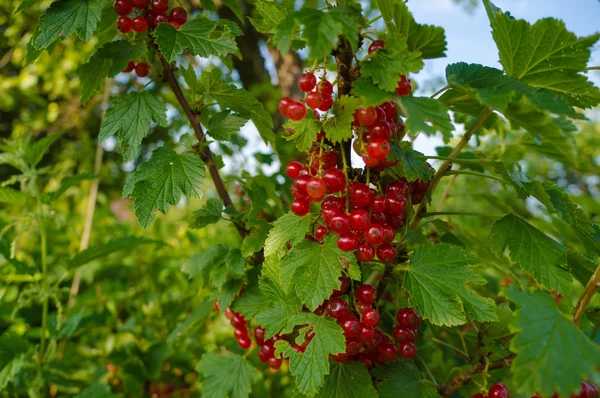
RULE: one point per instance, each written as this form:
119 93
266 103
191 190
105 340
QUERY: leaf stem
345 170
455 160
441 90
458 350
474 173
444 167
431 376
593 68
377 18
589 291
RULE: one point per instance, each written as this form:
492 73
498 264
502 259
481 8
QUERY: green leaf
350 19
226 375
209 214
64 17
198 35
553 355
304 131
271 15
129 117
251 303
409 166
161 181
429 40
436 281
13 352
223 124
212 257
348 380
238 100
256 240
234 5
98 251
235 262
370 94
545 55
385 64
26 4
196 317
288 227
339 127
314 270
12 196
35 152
309 368
536 253
426 115
402 379
107 61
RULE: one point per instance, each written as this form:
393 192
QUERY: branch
204 151
589 291
445 166
343 58
447 389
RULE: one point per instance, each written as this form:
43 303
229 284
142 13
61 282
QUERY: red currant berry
142 69
404 86
140 4
325 88
374 234
275 363
351 326
376 45
588 390
353 347
395 204
408 318
337 308
479 395
378 204
150 16
259 335
284 104
335 180
359 219
307 82
316 187
347 242
326 103
380 130
160 6
178 15
366 294
293 169
160 18
399 188
300 207
266 351
313 100
124 24
238 321
407 350
296 111
365 253
239 333
369 160
378 218
366 116
340 224
344 284
301 184
139 24
341 357
370 317
123 7
498 390
396 221
320 310
366 359
129 68
360 195
387 351
403 335
362 307
175 24
228 313
391 112
367 333
244 342
388 234
329 159
378 148
320 232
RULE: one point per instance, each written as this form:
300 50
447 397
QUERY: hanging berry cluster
142 69
135 15
318 97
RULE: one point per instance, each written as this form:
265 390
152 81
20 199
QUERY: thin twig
474 173
593 68
589 291
441 90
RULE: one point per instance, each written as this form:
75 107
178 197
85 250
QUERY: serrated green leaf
104 249
234 5
426 115
160 182
212 257
209 214
288 227
370 94
198 35
64 17
12 196
553 355
129 117
223 124
226 375
251 303
436 281
314 270
350 19
402 379
238 100
409 166
256 240
429 40
386 64
235 262
35 152
348 380
107 61
271 15
304 132
536 253
309 368
339 127
545 55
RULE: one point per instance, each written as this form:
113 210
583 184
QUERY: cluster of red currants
142 69
588 390
404 85
240 326
318 97
149 18
266 352
498 390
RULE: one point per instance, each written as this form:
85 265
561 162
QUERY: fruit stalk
589 291
447 389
